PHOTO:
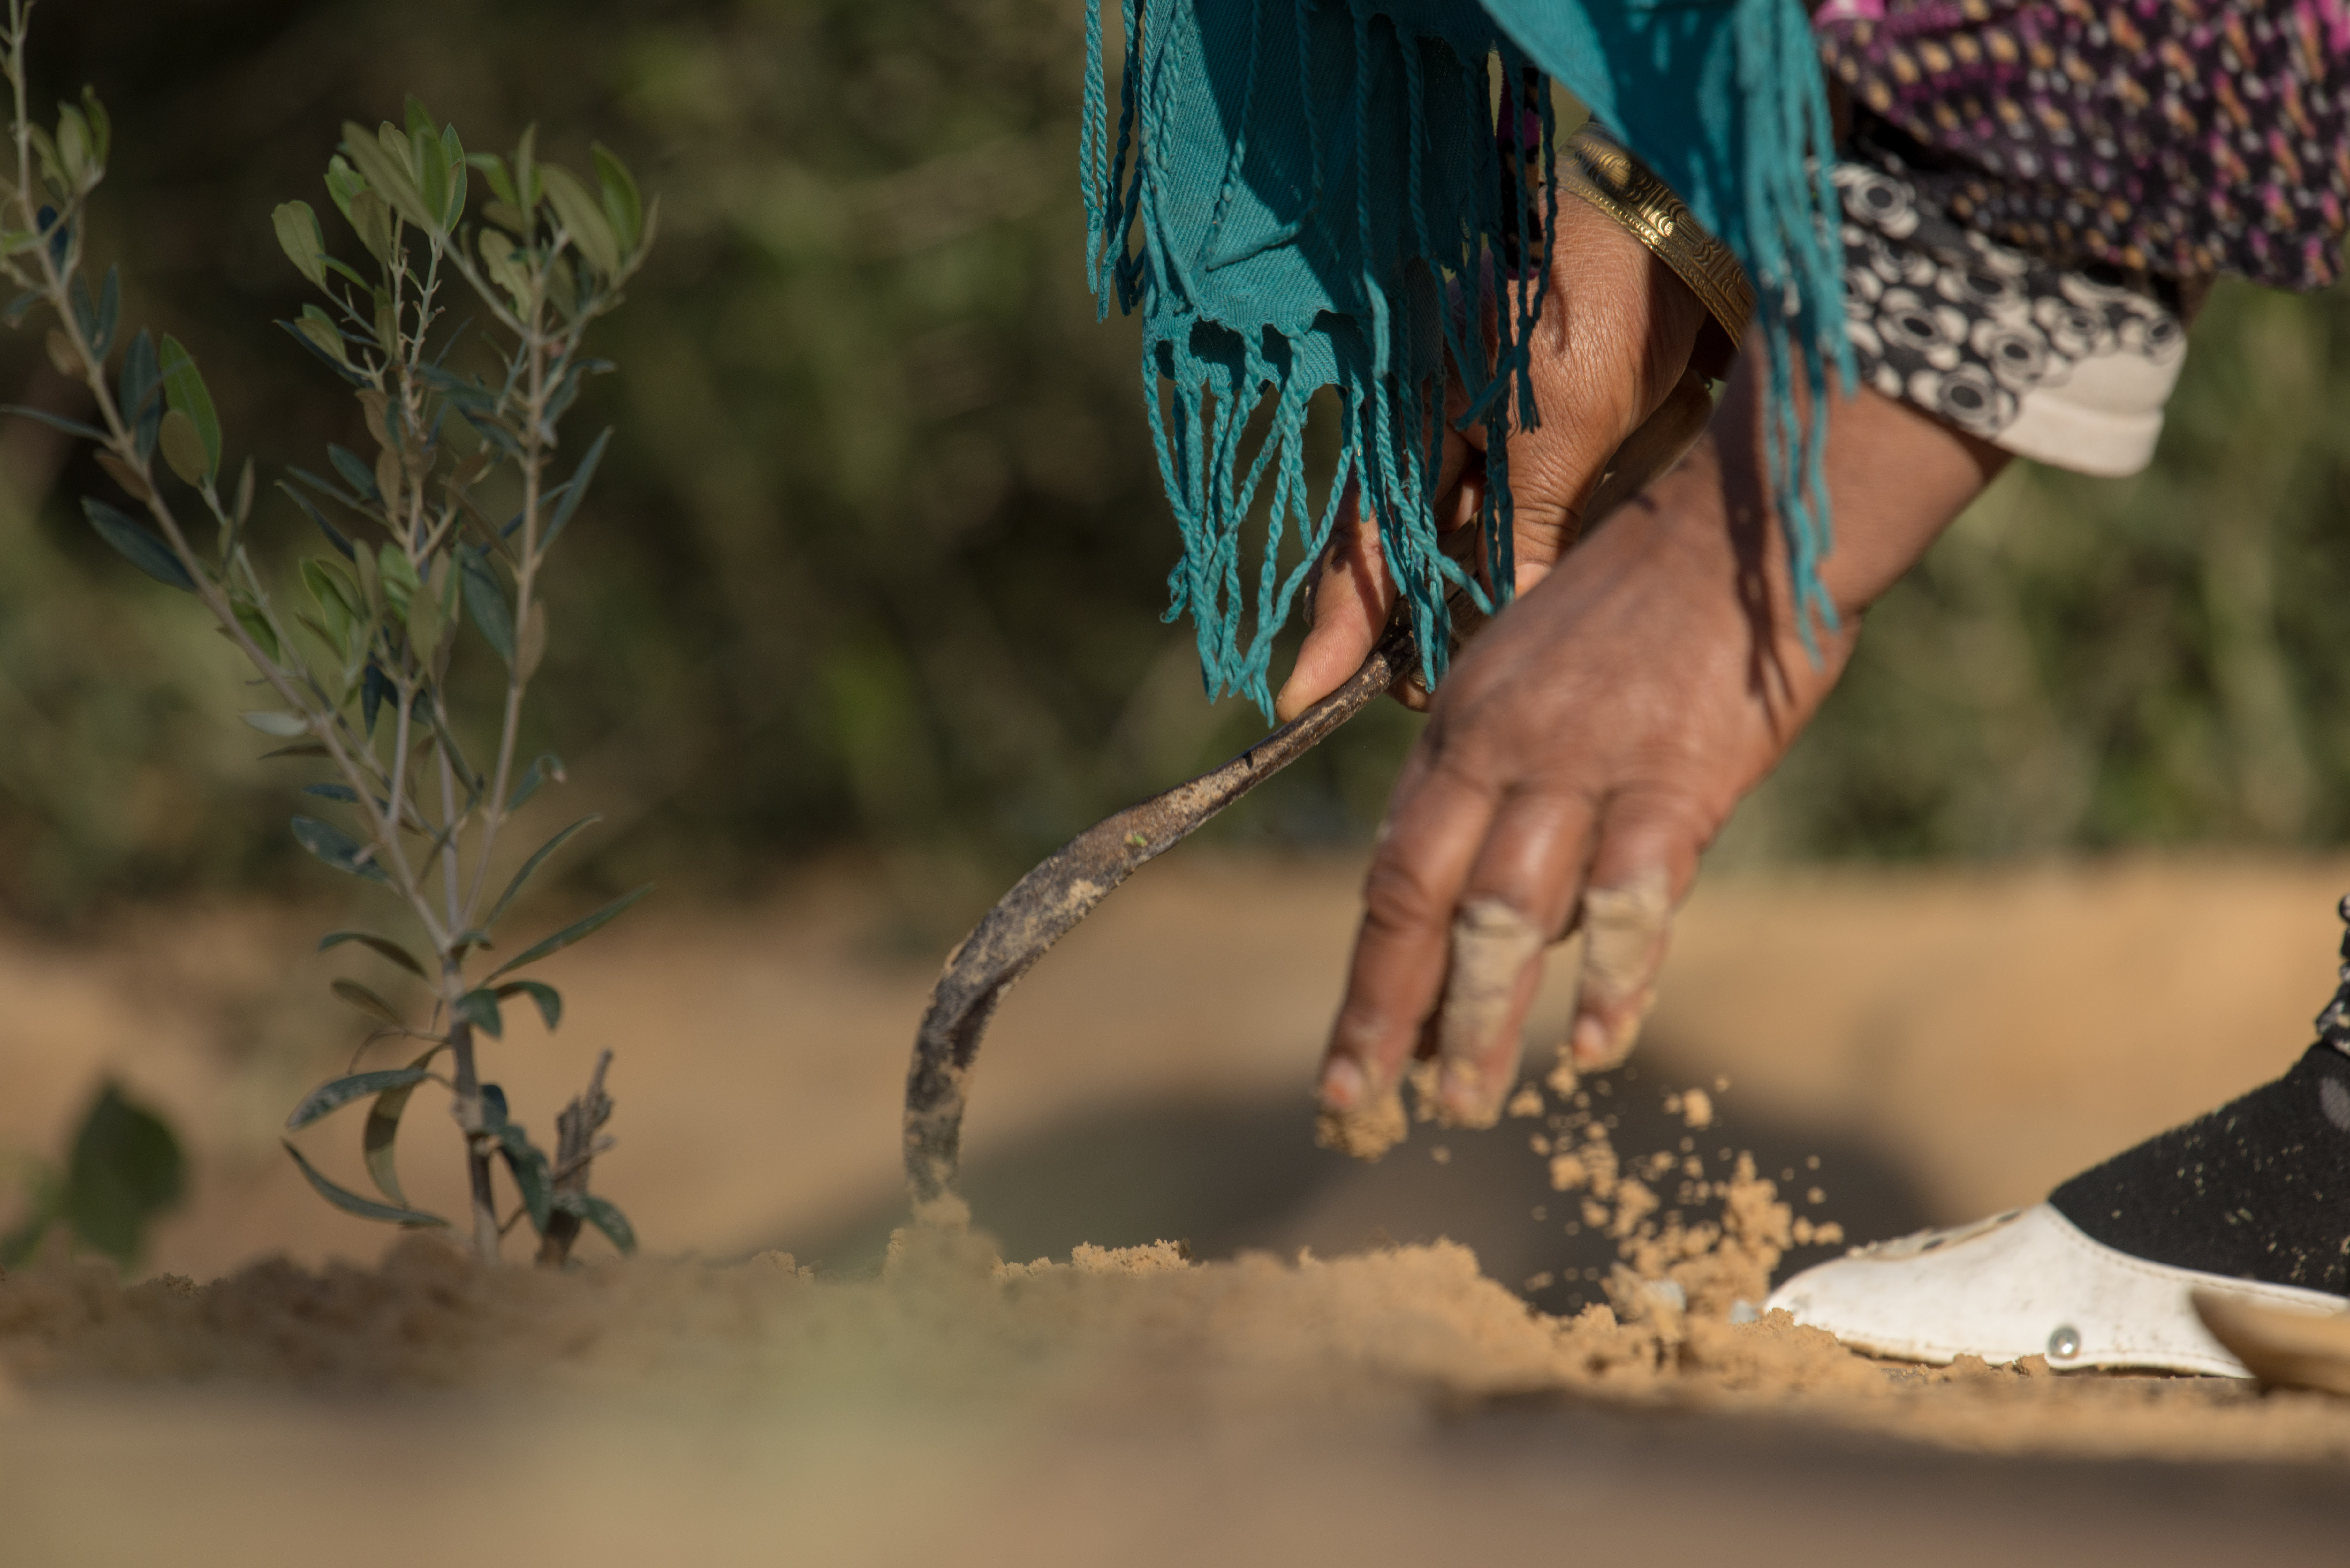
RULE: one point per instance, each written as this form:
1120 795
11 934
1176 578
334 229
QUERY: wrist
1896 478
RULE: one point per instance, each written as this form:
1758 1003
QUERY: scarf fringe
1413 300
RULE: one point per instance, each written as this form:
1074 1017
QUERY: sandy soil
1942 1044
1961 1040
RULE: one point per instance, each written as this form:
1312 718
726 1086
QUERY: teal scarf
1303 195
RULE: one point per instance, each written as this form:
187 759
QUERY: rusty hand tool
1043 905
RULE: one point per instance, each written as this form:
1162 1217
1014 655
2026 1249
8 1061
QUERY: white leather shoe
2025 1283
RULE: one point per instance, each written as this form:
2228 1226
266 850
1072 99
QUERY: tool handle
1045 904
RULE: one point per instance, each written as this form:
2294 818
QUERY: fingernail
1343 1085
1592 1045
1460 1090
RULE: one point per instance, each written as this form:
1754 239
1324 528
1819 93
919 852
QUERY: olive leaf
371 221
357 471
133 482
575 489
54 421
383 945
299 236
549 999
485 601
343 184
137 545
532 1176
480 1009
598 1212
452 162
257 627
73 145
101 126
184 392
139 393
369 1003
544 767
334 594
365 1207
337 848
622 205
183 447
576 931
382 1132
382 162
333 1096
284 726
532 865
582 217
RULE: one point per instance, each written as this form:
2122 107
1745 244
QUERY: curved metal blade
1041 907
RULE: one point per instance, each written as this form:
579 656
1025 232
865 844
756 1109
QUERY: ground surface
1943 1045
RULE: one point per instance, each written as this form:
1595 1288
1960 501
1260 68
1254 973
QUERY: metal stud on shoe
2026 1284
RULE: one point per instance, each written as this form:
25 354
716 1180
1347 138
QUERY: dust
1366 1131
1694 1107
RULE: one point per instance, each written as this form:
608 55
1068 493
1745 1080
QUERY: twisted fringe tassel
1201 405
1796 254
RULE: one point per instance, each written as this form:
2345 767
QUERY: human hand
1586 749
1610 356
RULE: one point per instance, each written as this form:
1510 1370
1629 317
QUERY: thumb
1348 605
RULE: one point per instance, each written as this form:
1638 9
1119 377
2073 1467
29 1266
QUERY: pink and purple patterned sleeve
2031 187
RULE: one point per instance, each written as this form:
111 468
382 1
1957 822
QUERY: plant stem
532 464
576 1149
466 1106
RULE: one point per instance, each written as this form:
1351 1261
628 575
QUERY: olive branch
451 522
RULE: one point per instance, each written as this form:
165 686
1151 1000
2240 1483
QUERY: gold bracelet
1608 177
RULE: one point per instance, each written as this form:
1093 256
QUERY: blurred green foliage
125 1170
2093 663
894 549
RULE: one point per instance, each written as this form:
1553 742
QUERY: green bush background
876 559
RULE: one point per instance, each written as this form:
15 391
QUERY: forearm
1896 478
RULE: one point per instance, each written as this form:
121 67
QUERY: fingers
1646 861
1352 596
1404 948
1473 956
1473 959
1351 600
1514 905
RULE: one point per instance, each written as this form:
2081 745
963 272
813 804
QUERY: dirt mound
1132 1333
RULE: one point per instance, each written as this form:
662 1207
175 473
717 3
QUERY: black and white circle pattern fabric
2050 363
